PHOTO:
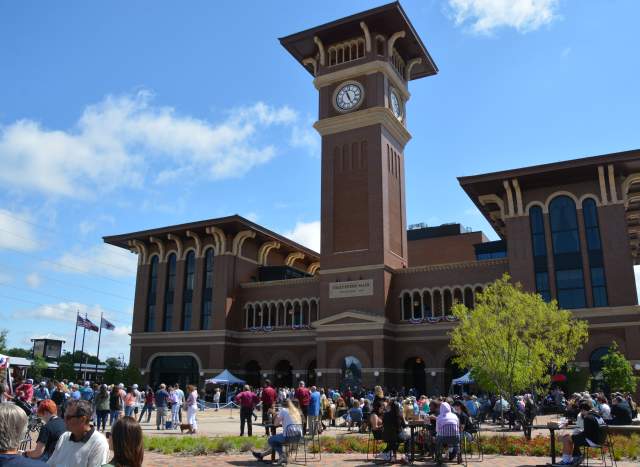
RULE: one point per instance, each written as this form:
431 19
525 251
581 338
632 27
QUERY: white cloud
565 52
486 15
307 138
101 259
307 234
5 278
114 142
16 231
33 280
63 311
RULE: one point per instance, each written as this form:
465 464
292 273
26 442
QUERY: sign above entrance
360 288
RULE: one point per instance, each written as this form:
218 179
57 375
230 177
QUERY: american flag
86 323
4 362
108 325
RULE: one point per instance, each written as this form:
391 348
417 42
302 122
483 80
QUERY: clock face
396 105
349 96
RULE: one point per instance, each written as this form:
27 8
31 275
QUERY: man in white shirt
82 445
180 398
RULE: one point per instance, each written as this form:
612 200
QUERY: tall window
189 282
594 248
150 324
539 245
169 293
566 253
207 298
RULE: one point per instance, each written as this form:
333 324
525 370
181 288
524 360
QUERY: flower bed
625 447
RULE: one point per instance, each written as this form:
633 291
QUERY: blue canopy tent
462 380
226 378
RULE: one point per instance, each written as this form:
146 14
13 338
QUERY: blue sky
119 116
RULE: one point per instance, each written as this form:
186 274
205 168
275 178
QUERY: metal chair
450 436
374 440
293 437
474 430
314 437
34 426
606 444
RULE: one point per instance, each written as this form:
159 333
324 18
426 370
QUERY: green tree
65 371
617 371
112 373
18 352
37 368
511 338
130 375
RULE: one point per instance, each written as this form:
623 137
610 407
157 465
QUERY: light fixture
264 375
376 373
202 373
297 375
318 374
433 373
142 372
637 366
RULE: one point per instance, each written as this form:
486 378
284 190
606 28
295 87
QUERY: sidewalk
332 460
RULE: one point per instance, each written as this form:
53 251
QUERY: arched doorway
252 374
311 374
414 375
351 372
284 374
451 371
171 369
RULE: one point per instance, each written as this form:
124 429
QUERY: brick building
374 305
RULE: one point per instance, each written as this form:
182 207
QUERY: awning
226 377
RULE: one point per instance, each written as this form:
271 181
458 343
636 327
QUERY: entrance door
171 369
414 375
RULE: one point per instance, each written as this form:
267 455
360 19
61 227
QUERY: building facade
375 305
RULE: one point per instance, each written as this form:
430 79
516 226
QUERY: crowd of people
80 424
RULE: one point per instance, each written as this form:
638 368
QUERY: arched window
406 306
169 293
189 283
594 248
207 298
150 324
566 253
417 306
351 372
595 360
538 242
250 317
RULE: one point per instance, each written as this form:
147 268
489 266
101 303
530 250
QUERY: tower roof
385 19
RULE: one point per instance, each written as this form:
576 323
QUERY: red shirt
303 396
268 395
247 399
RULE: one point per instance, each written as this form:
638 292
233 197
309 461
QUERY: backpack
115 403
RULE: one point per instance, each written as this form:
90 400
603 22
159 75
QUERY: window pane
571 298
597 277
569 279
566 242
593 239
562 214
600 296
542 281
539 245
536 219
590 213
546 295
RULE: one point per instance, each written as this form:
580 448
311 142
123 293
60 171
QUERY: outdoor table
553 427
413 426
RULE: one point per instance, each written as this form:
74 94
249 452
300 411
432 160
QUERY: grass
625 447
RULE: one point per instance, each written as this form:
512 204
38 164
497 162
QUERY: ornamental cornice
299 281
449 266
362 118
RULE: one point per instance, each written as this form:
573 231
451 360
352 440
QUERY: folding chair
293 437
450 437
475 442
314 437
373 441
606 444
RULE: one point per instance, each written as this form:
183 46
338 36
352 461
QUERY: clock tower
361 66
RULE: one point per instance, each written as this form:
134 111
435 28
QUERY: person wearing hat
41 393
24 391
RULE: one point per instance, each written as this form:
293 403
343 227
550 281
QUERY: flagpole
84 332
98 352
75 333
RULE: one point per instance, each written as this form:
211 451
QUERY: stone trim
448 266
257 285
607 312
362 118
352 269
